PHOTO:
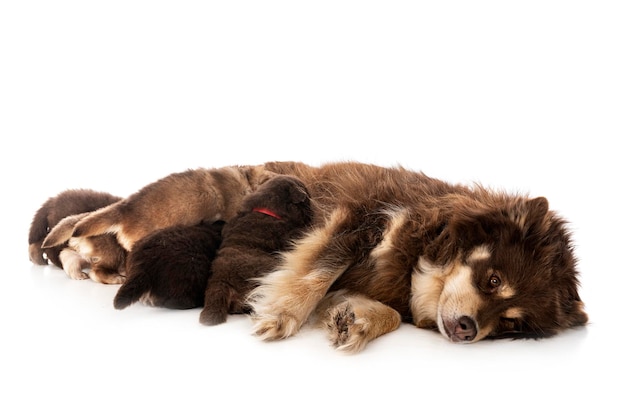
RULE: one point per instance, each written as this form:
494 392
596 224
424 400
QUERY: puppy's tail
62 231
101 221
132 291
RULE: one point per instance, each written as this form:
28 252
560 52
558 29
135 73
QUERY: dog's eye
490 282
494 281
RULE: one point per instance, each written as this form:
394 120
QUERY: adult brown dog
52 226
388 244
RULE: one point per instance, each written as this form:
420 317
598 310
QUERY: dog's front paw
276 310
275 326
347 332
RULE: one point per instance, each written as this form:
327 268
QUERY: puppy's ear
298 194
62 231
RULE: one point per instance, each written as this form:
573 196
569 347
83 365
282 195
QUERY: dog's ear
62 231
471 225
530 215
298 194
464 229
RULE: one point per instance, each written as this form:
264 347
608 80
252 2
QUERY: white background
522 96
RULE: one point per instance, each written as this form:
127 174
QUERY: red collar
266 212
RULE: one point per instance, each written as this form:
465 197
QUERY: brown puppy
170 267
387 244
270 219
185 198
50 232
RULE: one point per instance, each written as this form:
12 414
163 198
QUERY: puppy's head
284 195
513 274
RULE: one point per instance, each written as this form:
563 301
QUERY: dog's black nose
465 329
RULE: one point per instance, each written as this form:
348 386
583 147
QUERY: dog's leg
353 320
286 297
218 299
73 264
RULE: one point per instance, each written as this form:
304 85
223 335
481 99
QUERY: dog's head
512 274
286 196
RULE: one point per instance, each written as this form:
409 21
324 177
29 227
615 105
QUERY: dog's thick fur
170 267
387 244
51 229
271 218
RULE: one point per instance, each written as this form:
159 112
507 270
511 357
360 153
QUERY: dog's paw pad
342 319
347 331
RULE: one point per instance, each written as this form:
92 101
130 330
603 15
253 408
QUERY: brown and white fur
50 238
388 245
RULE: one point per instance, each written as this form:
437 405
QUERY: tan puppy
51 229
101 254
185 198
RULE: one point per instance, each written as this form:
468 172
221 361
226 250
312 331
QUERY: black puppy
170 268
270 219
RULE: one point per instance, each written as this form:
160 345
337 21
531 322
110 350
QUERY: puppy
184 198
170 267
51 229
270 219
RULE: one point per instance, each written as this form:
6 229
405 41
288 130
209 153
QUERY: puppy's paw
346 330
106 277
212 317
77 274
275 326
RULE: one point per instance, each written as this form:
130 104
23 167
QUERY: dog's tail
132 291
101 221
62 231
